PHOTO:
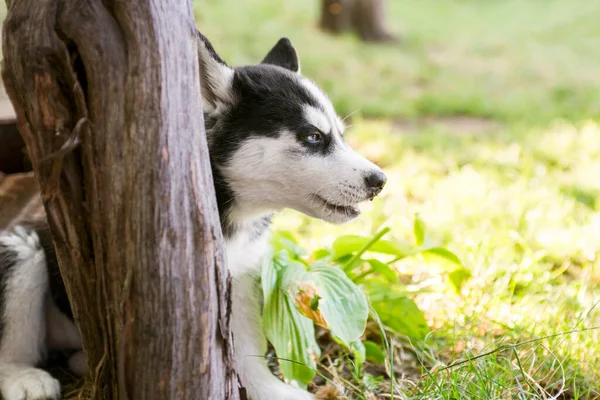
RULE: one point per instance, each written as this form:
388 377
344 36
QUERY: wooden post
107 97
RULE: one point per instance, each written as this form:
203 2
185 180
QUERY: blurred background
484 114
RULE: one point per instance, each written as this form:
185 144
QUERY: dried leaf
307 301
329 392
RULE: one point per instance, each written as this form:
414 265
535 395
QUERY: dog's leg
24 279
78 364
62 334
250 345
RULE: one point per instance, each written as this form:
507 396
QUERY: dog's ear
284 55
216 76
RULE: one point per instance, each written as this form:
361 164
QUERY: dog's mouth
350 211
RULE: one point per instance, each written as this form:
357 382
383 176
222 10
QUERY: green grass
528 60
478 117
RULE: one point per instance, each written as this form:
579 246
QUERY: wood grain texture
107 98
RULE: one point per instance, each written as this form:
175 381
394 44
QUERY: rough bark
107 97
365 17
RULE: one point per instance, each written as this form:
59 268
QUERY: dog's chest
245 252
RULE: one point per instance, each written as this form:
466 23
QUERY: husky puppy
275 141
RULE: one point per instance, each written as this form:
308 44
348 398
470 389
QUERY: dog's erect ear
215 76
283 55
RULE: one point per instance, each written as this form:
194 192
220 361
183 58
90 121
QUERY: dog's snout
375 181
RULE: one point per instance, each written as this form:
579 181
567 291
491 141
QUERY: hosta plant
338 288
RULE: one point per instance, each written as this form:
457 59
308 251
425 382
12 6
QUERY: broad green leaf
321 254
402 316
419 230
291 334
272 265
350 244
379 290
373 352
323 294
342 303
458 277
443 253
384 269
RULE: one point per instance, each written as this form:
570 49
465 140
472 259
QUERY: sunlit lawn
485 130
509 59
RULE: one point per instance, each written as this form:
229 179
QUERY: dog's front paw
29 384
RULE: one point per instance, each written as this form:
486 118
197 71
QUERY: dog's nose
376 181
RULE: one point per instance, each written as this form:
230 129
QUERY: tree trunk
107 97
336 15
366 17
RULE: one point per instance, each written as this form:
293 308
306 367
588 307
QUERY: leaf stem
360 277
366 247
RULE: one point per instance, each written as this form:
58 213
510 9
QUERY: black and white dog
275 141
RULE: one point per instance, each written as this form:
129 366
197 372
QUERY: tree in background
107 98
365 17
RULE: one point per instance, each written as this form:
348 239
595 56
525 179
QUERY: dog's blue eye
314 138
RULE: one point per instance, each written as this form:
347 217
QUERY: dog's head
276 141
